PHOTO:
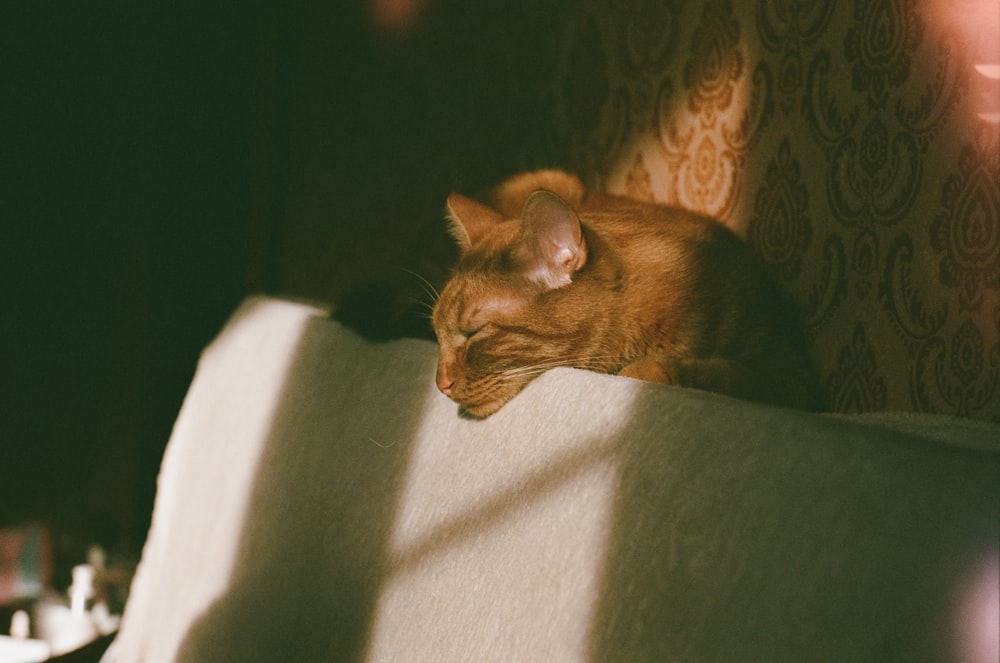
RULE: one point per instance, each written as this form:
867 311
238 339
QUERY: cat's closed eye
470 333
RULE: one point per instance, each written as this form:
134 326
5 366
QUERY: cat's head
497 322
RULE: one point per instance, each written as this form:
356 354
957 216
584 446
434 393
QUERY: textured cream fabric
320 501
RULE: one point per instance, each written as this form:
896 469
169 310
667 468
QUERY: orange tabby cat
554 276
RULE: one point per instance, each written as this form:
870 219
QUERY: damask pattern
855 384
786 30
780 230
965 232
880 45
840 138
715 64
702 145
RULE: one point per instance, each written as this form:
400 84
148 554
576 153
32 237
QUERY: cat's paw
650 369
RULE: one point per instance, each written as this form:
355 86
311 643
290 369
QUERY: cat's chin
464 413
480 411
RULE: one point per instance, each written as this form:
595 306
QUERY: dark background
164 160
127 139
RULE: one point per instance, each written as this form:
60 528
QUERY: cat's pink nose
445 384
444 380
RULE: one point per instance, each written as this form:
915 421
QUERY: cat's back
684 266
653 234
615 215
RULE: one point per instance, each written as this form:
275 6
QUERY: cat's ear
551 246
469 221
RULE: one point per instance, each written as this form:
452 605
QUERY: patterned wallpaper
844 141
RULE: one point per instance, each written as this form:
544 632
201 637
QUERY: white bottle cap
20 625
82 588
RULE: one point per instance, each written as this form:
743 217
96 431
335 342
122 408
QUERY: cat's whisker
537 370
524 377
426 306
531 370
565 360
582 362
426 285
590 363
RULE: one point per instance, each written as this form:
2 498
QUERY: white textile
320 501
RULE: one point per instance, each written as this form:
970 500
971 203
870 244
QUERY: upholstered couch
321 501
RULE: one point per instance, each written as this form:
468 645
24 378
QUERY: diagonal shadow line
560 470
311 555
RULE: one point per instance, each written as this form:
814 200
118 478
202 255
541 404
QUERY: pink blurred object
25 562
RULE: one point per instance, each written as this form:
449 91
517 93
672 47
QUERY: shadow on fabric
759 534
667 525
284 557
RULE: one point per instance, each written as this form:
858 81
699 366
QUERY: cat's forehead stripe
494 308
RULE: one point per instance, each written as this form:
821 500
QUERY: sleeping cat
552 276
